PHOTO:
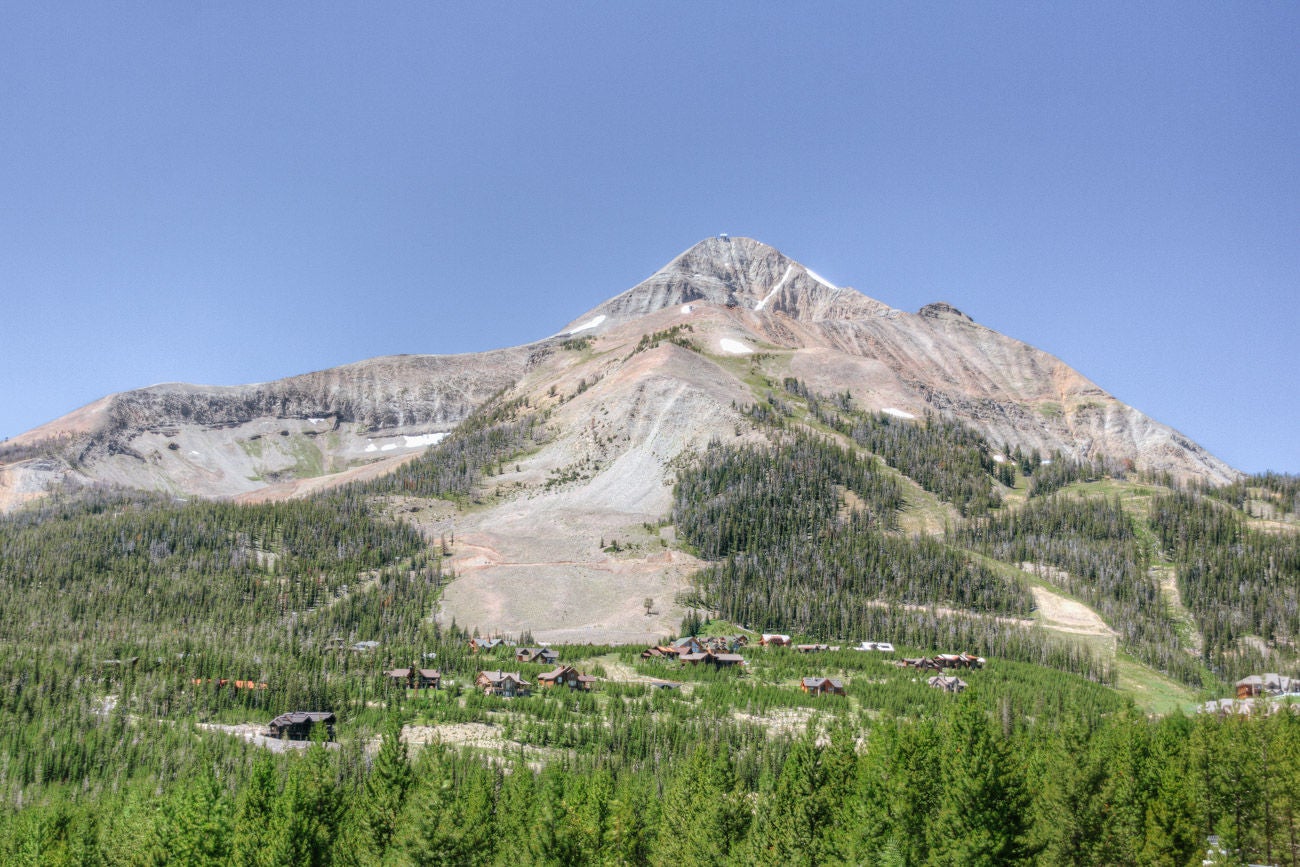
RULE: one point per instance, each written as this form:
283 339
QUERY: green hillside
142 636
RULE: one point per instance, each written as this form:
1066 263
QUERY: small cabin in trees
414 678
543 655
477 644
947 684
507 684
822 686
297 725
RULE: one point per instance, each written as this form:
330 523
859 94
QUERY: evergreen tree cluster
943 456
1237 582
483 442
1095 553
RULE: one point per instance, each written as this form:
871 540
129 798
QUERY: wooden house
477 644
689 644
774 639
297 725
656 683
401 677
543 655
947 684
958 660
822 686
507 684
566 675
922 662
428 678
708 657
1266 684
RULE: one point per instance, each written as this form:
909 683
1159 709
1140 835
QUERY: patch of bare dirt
1058 613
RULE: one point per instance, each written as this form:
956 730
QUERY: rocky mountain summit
630 389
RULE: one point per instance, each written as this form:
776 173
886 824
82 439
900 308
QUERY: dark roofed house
297 725
719 660
507 684
402 677
477 644
428 678
822 685
537 654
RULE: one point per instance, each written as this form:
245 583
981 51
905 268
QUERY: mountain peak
734 272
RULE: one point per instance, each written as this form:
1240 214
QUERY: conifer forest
148 643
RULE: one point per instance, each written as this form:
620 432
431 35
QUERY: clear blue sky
226 193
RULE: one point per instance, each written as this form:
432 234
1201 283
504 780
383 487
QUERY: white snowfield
897 413
822 280
734 347
592 323
786 276
411 442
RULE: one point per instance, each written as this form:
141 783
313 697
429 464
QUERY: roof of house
398 672
817 682
556 673
297 717
430 673
502 676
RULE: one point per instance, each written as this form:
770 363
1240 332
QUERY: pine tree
386 788
983 814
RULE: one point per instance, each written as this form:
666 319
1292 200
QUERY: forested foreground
973 783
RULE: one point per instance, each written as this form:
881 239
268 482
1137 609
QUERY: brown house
297 725
822 686
1266 684
566 675
774 640
507 684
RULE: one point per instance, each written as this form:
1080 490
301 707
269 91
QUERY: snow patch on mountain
822 280
591 323
788 271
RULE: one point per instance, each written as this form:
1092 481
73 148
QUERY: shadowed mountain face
737 294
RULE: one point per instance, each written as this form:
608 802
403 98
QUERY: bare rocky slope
530 555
